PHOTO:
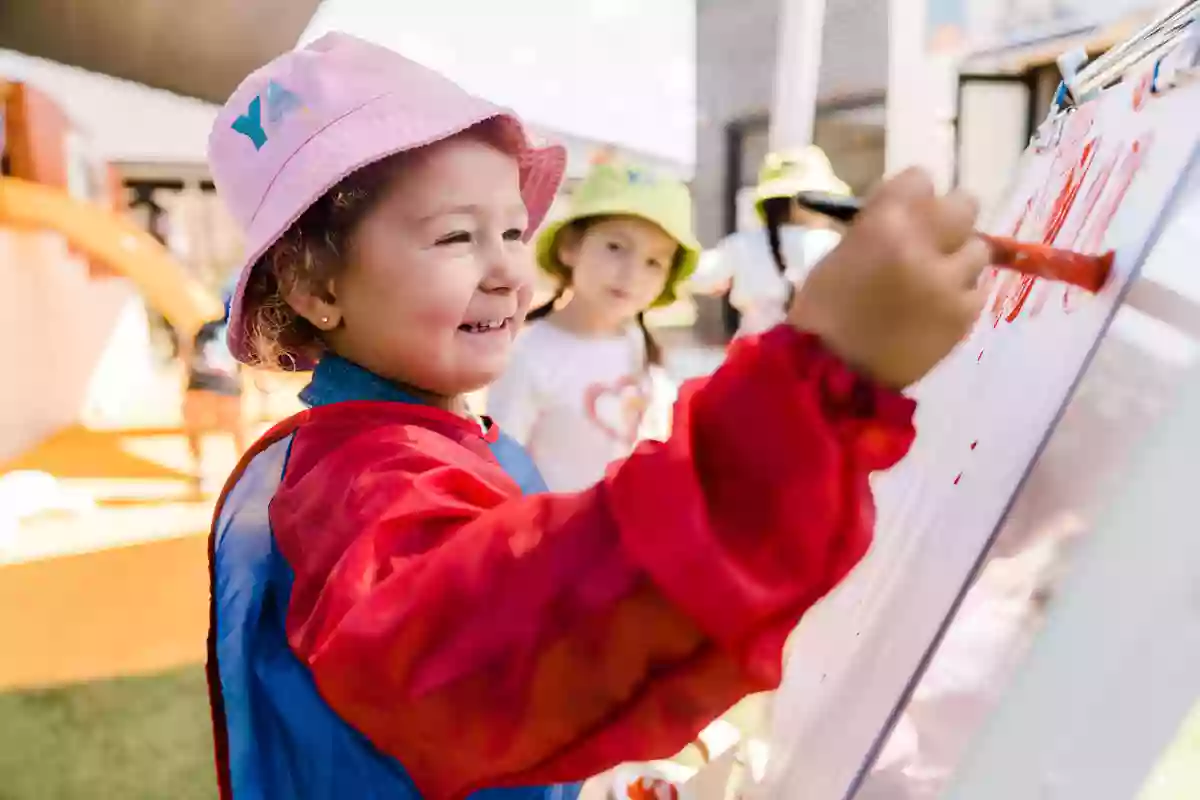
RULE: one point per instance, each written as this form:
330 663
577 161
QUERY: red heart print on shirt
651 789
617 409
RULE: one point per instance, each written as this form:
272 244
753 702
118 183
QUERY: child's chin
482 375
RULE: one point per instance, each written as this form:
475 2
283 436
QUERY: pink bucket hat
295 127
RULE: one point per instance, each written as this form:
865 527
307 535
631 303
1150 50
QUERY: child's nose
507 269
627 272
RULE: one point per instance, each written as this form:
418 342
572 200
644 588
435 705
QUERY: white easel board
1071 662
1112 180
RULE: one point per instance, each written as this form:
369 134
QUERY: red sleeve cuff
873 420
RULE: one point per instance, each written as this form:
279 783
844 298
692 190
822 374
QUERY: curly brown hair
311 252
307 255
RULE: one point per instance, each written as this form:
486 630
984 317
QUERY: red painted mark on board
1142 92
1047 220
974 444
958 478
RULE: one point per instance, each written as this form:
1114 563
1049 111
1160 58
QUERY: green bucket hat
789 173
613 189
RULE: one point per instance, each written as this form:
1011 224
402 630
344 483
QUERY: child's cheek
427 307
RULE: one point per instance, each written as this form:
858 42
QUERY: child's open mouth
485 326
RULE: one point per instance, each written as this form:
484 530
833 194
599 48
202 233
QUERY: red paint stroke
1014 292
1094 214
1142 92
1070 191
980 357
1094 193
1127 171
974 444
958 478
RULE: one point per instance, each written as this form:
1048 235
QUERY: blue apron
282 742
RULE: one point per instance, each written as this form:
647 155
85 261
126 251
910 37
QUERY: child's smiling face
436 279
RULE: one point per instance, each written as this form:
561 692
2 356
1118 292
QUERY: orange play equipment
118 244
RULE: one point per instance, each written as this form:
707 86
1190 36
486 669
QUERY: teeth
480 327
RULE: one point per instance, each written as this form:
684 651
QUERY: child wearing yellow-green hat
763 265
585 382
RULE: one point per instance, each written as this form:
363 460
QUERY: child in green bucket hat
585 382
617 190
763 268
786 174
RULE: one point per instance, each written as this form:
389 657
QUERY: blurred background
114 248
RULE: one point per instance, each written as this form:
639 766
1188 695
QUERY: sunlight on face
438 279
620 266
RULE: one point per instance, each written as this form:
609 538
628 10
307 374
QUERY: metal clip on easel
1081 80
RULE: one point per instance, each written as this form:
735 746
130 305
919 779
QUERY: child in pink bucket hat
398 609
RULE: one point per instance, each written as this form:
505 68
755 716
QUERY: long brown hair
777 211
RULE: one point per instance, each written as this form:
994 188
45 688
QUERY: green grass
131 738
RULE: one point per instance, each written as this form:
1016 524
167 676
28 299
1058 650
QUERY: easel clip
1069 65
1180 65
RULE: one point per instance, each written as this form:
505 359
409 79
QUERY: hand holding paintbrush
1086 271
901 290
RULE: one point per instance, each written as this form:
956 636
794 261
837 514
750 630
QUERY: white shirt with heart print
577 404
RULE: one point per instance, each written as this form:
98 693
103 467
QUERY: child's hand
901 289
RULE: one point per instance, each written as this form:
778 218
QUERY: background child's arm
488 639
713 274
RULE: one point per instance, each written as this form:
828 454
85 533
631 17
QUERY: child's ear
317 304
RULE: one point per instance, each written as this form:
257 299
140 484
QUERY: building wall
854 54
994 21
735 65
75 338
36 134
74 346
735 72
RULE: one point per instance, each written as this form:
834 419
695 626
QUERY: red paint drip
980 357
974 444
957 479
1017 301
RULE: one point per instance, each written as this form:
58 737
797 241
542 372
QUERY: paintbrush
1040 261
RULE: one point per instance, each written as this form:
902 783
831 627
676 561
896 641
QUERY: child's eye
458 237
615 247
513 235
655 264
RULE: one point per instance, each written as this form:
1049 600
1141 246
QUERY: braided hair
778 211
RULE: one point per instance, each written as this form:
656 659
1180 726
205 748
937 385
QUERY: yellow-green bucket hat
614 189
789 173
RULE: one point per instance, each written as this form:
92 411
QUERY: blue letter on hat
280 101
250 124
